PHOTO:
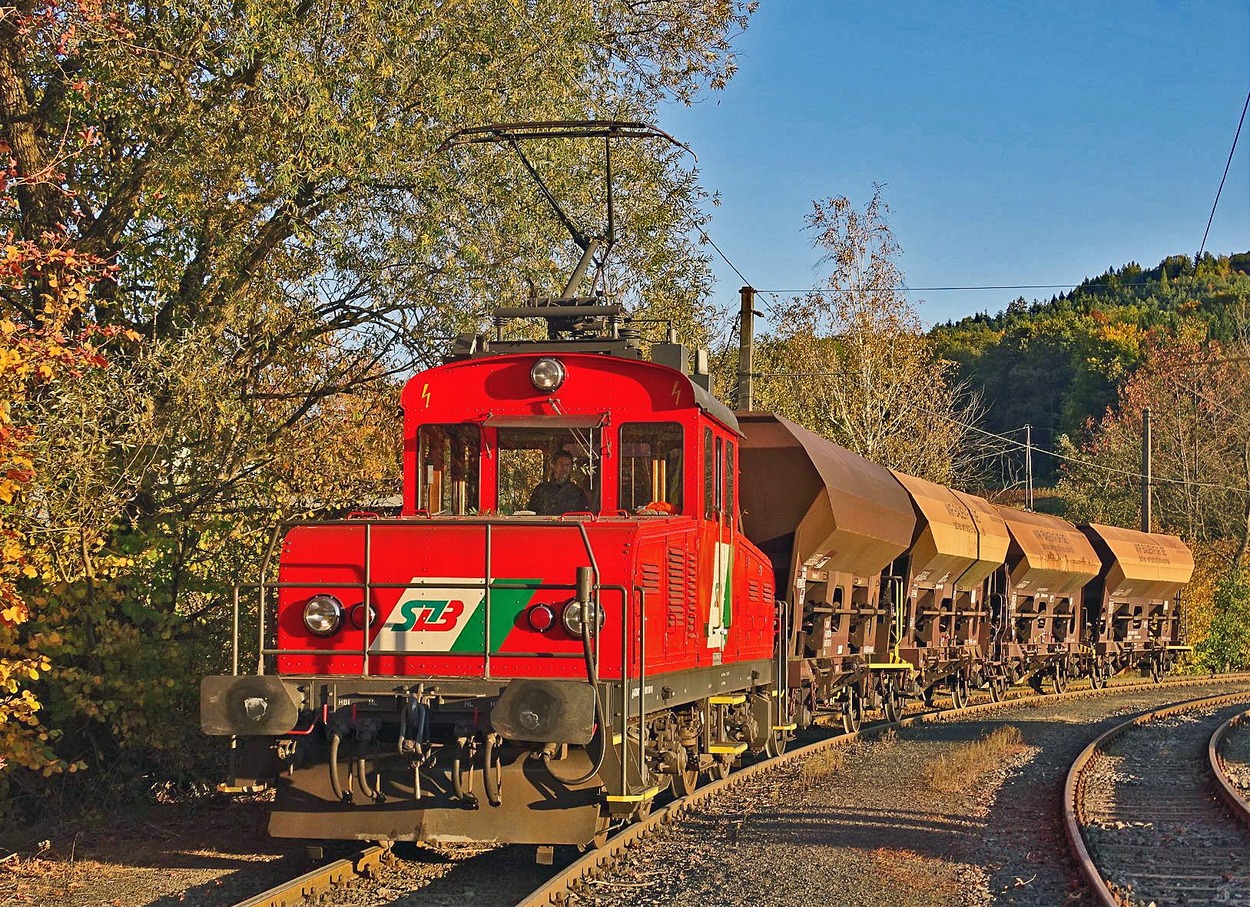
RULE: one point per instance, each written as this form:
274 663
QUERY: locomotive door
718 543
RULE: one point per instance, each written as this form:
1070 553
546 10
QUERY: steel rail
320 880
556 890
1074 789
1224 789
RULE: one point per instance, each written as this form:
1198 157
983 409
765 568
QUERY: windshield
549 472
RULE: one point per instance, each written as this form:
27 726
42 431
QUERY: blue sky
1019 143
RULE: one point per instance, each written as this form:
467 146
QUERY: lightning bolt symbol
425 395
676 393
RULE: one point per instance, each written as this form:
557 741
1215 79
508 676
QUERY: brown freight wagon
1035 602
960 540
1133 605
831 522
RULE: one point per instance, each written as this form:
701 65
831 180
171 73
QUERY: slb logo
424 615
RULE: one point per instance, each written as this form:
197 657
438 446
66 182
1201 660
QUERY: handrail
368 586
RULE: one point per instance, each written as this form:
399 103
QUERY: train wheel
684 783
776 745
643 810
852 710
720 768
998 688
959 691
1060 678
1097 676
891 701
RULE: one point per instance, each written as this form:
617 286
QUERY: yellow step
734 748
634 798
784 727
732 699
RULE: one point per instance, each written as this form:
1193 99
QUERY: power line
1231 151
710 242
1074 287
1020 445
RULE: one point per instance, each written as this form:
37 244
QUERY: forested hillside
1055 364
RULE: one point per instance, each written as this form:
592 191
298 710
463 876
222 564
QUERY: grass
823 764
959 770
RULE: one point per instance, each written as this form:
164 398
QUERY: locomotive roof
702 398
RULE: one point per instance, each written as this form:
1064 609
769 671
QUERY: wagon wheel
959 691
643 810
852 710
719 770
685 781
1097 675
1059 680
998 688
776 743
891 701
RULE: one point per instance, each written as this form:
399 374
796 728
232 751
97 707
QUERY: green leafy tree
851 361
288 242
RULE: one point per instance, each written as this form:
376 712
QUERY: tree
1199 397
851 362
263 181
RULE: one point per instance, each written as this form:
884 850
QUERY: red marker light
541 618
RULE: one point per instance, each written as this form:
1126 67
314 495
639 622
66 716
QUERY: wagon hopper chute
1132 606
831 522
960 539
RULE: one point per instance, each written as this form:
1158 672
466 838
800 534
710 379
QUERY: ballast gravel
868 831
875 831
1236 752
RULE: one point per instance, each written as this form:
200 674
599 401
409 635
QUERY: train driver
559 494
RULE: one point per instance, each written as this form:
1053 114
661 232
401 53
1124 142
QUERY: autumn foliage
34 357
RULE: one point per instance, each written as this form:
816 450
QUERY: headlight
572 617
323 615
547 374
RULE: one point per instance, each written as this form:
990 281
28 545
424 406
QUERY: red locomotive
605 584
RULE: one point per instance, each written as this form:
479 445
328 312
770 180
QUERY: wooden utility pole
1145 470
746 345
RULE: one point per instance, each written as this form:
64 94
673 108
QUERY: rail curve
1075 788
554 893
1224 789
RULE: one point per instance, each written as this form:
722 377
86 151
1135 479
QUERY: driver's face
561 469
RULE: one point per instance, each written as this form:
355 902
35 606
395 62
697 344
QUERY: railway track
1226 789
594 864
1143 817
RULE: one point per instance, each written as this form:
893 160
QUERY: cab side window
709 475
651 467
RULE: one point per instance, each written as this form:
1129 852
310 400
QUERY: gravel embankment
866 830
876 832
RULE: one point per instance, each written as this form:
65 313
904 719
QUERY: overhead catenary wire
1227 165
1020 445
